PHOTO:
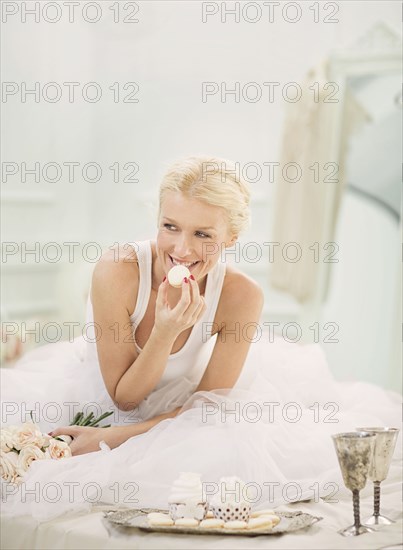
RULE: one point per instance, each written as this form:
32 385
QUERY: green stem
88 420
102 417
79 418
74 422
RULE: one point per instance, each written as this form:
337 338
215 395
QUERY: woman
201 214
173 365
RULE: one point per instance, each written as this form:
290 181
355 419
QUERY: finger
185 299
201 309
195 289
194 311
66 430
162 294
197 301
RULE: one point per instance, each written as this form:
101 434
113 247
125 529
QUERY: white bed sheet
91 531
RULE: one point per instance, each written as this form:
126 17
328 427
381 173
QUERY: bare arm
112 283
139 380
87 440
129 376
237 327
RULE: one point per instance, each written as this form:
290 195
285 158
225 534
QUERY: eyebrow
202 228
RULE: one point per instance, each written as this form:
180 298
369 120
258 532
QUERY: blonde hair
213 180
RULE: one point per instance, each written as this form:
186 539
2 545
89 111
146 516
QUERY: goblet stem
377 498
356 506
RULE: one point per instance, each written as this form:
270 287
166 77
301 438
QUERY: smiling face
191 232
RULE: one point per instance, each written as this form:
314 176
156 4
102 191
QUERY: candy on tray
186 499
235 524
211 523
187 522
229 503
155 519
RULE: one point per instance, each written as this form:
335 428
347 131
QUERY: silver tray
132 519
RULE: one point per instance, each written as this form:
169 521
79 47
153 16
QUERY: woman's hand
189 309
87 439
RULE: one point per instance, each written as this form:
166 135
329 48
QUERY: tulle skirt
272 430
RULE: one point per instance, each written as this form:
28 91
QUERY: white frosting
187 488
176 275
230 490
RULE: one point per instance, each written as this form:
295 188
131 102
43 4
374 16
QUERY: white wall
364 295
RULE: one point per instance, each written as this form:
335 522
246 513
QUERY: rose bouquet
21 445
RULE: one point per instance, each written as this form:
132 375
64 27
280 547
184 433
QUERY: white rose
8 466
27 455
46 440
11 432
57 449
28 434
6 440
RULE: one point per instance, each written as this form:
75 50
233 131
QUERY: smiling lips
189 265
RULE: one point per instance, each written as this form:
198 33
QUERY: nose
183 247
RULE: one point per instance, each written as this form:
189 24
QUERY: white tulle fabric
238 432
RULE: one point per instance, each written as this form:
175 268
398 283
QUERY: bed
87 531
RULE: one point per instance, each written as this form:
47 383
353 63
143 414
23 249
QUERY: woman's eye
171 227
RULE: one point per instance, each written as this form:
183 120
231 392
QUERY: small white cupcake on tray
229 503
186 498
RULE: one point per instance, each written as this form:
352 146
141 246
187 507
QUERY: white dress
272 429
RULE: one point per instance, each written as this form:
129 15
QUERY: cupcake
186 498
229 503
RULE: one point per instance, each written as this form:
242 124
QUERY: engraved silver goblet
354 452
385 442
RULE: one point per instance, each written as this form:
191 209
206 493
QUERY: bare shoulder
240 292
116 272
119 259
